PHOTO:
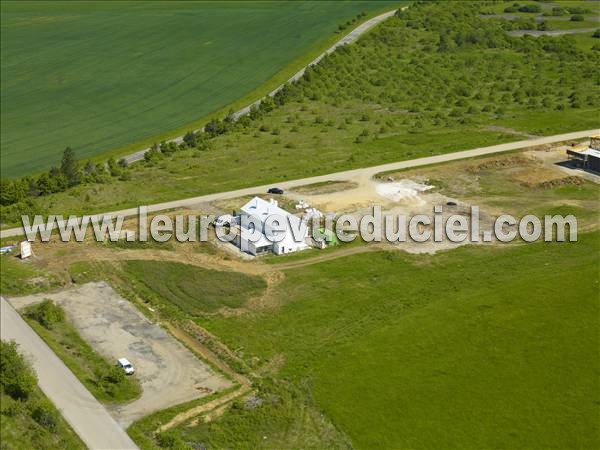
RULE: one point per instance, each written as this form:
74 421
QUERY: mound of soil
499 163
558 182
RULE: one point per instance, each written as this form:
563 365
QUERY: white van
127 367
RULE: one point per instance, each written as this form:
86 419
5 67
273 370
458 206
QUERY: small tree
12 191
152 155
69 167
113 168
190 139
59 181
44 184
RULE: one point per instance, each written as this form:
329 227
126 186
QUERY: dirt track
537 33
348 175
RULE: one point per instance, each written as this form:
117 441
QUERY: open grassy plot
107 382
587 41
101 75
427 352
193 289
19 277
180 288
27 418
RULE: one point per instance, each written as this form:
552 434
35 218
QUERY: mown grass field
181 289
193 289
102 75
432 352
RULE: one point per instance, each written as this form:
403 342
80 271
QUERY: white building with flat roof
265 227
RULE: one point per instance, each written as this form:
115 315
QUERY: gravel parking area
168 372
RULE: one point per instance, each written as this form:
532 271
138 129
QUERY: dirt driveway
168 372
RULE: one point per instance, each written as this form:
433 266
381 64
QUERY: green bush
17 378
170 440
530 9
558 11
45 415
577 18
46 313
114 375
578 10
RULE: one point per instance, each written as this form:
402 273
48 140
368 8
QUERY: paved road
350 37
85 414
342 176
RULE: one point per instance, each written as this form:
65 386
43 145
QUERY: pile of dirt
558 182
499 163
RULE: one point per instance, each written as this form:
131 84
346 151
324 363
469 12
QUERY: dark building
587 158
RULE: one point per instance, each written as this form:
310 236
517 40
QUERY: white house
265 227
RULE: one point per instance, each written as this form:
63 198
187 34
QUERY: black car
275 191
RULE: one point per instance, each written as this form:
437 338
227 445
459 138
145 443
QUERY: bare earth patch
168 372
325 188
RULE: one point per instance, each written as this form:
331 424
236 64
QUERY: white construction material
26 249
406 191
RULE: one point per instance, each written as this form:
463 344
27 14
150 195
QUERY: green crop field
101 75
412 87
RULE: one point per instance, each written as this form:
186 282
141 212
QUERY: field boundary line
201 350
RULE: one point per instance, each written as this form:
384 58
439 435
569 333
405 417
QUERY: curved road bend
88 418
350 37
347 175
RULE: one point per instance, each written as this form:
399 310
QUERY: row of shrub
19 382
